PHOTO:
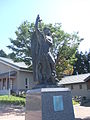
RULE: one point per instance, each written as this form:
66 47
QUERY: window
26 86
71 87
4 83
80 86
26 83
88 85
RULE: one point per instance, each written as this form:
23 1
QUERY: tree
21 45
82 65
64 47
2 54
12 56
88 59
67 56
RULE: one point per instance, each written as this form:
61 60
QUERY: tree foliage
63 49
21 45
82 65
2 54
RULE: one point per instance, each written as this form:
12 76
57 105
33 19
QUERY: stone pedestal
33 105
49 104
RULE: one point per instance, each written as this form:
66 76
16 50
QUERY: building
14 76
79 84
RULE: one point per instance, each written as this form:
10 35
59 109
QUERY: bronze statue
42 59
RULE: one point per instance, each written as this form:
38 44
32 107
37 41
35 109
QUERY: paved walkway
8 112
82 112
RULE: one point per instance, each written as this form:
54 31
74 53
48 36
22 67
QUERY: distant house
14 76
79 84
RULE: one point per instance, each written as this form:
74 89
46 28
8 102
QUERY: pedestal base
49 104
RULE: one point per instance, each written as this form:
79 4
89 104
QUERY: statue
42 59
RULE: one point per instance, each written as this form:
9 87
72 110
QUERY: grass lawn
5 99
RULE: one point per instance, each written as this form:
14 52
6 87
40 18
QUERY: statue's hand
38 18
37 21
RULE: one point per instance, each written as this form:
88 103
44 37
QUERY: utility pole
9 83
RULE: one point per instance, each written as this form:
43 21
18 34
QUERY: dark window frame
88 87
26 83
80 86
72 87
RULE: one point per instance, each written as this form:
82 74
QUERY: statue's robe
41 59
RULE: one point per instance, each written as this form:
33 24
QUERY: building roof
75 79
16 65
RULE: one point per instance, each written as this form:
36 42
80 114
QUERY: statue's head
46 31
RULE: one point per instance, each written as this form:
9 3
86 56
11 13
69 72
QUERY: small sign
58 103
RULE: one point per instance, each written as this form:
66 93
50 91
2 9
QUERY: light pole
9 82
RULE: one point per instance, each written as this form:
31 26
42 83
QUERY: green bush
74 102
5 99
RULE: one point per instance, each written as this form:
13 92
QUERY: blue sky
73 14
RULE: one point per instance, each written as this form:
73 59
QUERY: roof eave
13 66
70 83
88 78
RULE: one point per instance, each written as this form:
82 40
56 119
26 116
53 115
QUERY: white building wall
4 92
22 75
19 82
76 91
5 68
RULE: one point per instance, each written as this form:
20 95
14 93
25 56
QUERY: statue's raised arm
37 21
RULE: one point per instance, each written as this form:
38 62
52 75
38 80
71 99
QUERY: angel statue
42 59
